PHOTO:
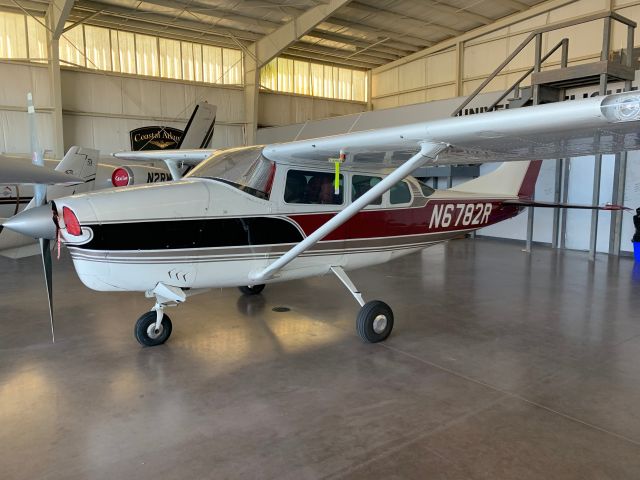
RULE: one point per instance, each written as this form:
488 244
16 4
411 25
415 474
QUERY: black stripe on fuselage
14 200
201 233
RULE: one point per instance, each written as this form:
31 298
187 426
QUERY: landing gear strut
375 318
154 327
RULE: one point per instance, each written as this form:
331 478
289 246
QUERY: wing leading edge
575 128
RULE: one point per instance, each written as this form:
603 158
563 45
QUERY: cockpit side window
400 193
307 187
361 184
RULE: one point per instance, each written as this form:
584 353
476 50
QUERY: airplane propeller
39 199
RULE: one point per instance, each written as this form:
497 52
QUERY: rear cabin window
309 187
400 193
360 184
427 191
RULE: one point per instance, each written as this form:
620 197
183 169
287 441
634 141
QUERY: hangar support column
268 47
57 14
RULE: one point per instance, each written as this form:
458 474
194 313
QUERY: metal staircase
548 85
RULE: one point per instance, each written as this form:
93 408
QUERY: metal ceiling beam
411 41
328 59
152 28
383 49
365 60
268 47
408 43
362 57
147 25
271 45
453 11
519 6
152 17
57 14
216 13
28 5
399 19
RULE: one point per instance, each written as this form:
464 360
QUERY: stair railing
515 87
537 35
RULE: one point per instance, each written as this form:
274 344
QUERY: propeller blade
45 250
39 190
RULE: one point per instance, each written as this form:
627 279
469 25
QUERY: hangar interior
515 352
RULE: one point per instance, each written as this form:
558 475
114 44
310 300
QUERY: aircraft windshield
244 168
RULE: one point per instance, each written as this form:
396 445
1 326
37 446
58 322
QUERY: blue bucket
636 251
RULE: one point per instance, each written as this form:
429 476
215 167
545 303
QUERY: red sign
121 177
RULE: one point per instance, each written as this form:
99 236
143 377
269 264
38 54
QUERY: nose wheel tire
252 289
374 322
146 333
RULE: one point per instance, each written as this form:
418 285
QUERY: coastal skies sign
155 138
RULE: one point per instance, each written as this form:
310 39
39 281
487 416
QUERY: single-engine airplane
250 216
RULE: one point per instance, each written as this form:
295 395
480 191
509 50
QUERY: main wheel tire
252 289
374 322
145 331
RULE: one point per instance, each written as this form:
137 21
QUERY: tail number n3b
459 214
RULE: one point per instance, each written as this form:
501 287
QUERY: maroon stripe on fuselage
407 221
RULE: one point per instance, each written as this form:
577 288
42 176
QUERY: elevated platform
581 75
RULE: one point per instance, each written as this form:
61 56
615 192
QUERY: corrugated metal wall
99 109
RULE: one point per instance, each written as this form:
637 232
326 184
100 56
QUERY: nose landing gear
149 332
154 327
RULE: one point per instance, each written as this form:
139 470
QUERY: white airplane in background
255 215
91 173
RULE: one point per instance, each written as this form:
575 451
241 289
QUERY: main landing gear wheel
252 289
374 322
146 332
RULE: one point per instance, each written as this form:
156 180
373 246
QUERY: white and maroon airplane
255 215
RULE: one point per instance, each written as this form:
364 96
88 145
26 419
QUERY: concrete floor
501 366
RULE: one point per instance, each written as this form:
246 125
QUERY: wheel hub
379 324
154 333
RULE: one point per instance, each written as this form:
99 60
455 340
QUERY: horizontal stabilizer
187 157
533 203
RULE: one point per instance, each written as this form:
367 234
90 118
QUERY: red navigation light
121 177
71 222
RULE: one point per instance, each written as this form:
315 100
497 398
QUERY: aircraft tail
514 179
80 162
199 129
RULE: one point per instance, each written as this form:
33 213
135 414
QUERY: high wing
576 128
17 170
187 157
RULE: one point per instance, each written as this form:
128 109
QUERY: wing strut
428 152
